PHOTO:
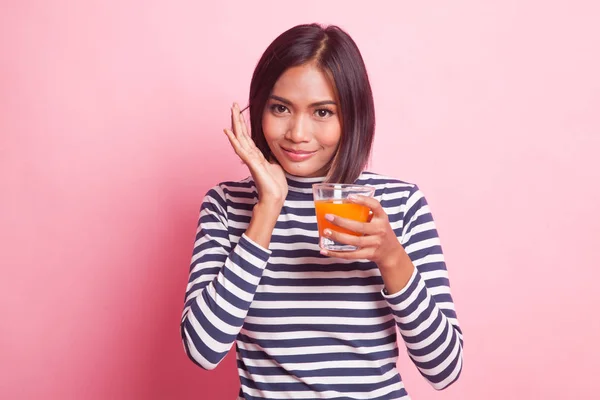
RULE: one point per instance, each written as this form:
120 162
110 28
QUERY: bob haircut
334 51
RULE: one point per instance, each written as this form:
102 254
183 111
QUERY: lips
297 154
297 151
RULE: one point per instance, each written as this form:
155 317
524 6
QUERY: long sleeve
222 282
424 310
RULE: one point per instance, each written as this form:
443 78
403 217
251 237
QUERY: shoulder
227 190
387 185
398 197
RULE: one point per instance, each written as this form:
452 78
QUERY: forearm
432 336
262 223
396 270
214 314
433 342
417 287
215 309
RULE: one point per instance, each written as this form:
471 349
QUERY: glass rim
342 186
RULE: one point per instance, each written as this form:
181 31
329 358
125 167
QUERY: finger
235 144
361 254
237 129
245 133
370 202
235 121
344 238
351 225
232 139
244 126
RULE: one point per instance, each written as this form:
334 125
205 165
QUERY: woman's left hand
378 242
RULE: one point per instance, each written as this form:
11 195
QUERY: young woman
309 323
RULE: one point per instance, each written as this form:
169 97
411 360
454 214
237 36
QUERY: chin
302 171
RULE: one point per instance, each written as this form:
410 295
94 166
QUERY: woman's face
301 121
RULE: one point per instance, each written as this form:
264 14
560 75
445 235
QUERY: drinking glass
332 198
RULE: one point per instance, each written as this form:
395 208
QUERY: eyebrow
289 103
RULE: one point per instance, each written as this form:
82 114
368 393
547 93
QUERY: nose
298 130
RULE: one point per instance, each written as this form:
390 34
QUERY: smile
298 155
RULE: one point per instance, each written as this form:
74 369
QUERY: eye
278 108
323 113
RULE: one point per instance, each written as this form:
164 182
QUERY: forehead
304 84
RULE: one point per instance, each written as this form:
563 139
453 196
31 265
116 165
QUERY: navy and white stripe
308 326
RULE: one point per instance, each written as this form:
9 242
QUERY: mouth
297 155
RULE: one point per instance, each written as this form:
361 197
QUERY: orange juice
344 209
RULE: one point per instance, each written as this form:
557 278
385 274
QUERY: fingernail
327 232
329 217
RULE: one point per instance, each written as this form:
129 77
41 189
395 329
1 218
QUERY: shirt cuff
402 293
254 248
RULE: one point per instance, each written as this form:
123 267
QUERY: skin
302 115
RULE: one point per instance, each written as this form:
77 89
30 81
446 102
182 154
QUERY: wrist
397 259
265 214
271 200
268 208
262 223
396 271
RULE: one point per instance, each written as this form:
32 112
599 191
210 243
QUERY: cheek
330 137
266 127
272 127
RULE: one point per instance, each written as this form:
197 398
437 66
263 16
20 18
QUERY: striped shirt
307 326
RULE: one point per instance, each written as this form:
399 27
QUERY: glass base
328 244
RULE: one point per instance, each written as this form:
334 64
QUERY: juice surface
340 208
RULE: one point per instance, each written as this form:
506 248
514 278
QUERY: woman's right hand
269 178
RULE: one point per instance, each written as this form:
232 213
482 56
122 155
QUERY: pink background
110 124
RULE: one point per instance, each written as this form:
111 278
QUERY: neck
301 184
